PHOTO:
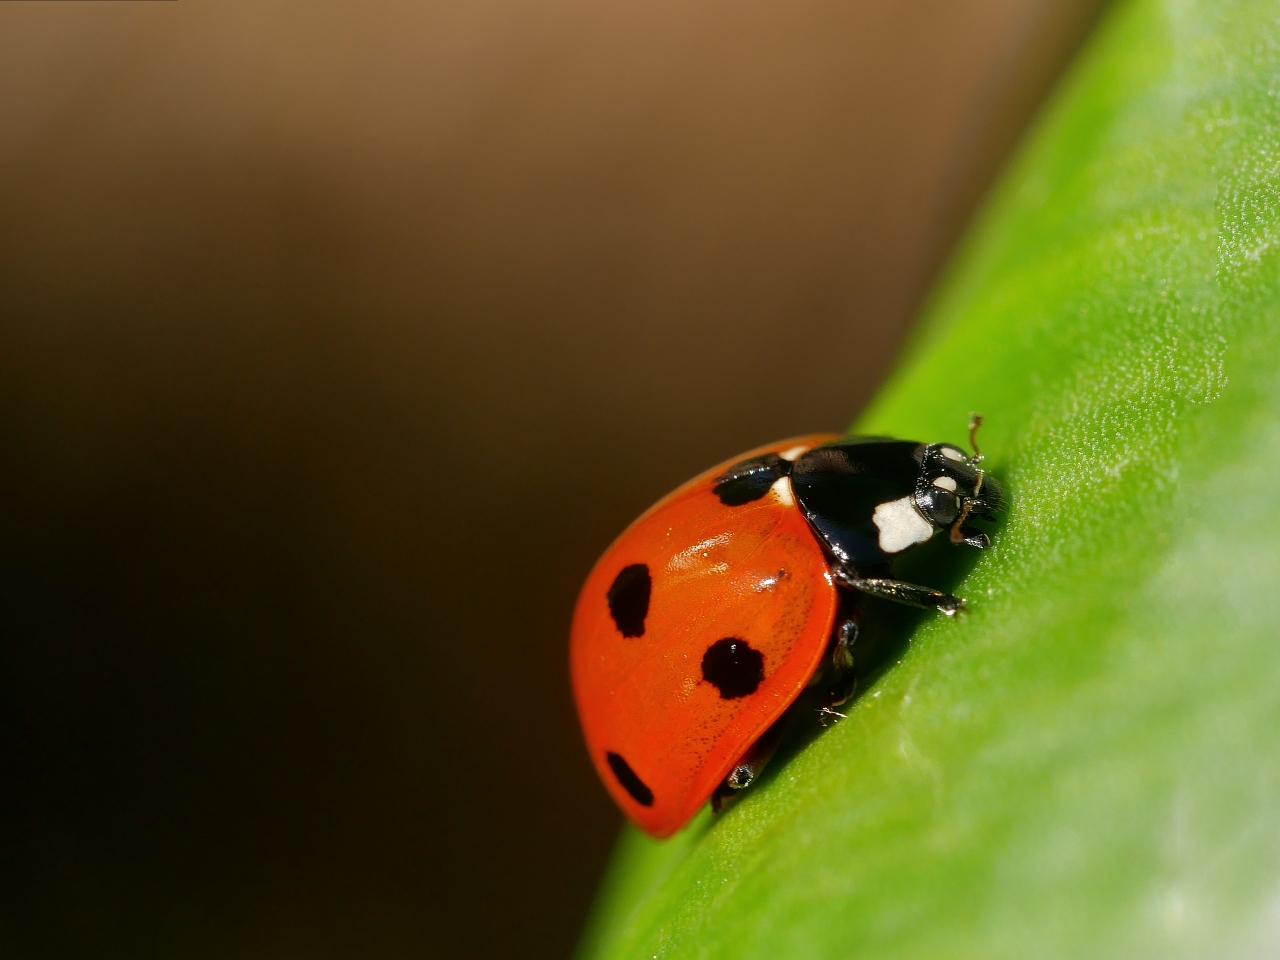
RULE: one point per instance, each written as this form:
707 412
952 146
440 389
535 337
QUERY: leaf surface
1088 763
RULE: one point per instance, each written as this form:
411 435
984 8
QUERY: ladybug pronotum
709 616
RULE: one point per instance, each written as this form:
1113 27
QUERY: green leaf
1088 763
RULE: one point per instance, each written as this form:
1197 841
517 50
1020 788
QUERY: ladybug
708 617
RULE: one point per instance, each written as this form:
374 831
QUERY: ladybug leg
842 654
973 537
843 671
911 594
746 770
722 793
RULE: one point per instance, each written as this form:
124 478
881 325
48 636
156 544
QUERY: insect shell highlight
706 619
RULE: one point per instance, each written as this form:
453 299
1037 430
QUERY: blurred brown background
337 342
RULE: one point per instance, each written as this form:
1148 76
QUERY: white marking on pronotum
946 483
900 525
793 452
953 453
781 489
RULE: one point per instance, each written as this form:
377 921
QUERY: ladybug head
952 487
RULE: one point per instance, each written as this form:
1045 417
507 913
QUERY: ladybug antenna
957 536
975 421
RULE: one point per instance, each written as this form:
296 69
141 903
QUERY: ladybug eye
938 502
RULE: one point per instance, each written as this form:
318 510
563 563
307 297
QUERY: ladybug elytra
707 618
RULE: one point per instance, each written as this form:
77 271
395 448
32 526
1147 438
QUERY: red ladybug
702 624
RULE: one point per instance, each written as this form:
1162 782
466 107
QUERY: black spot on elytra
630 782
629 599
750 480
733 667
